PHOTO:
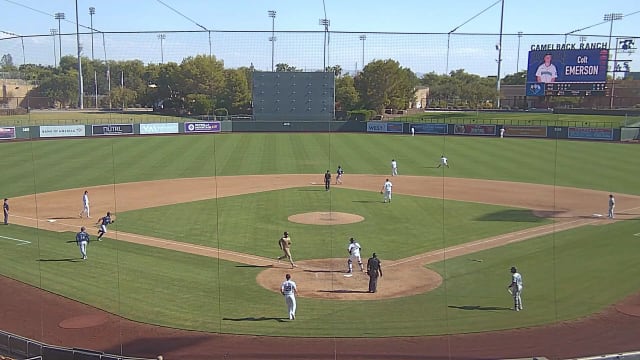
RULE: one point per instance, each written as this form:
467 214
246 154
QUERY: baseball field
198 220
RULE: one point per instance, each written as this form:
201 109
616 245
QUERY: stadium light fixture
54 32
59 16
325 23
518 56
363 38
92 12
611 17
162 37
272 38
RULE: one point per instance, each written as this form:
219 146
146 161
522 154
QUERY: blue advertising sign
202 127
440 129
590 133
567 72
394 127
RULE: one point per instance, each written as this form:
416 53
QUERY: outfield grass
567 275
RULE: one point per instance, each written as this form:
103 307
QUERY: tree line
201 84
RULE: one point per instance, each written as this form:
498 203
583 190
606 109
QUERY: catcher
104 222
515 288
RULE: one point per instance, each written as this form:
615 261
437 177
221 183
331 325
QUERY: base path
569 207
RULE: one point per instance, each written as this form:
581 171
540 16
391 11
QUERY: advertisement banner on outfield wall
441 129
49 131
474 129
112 129
590 133
376 126
159 128
525 131
7 133
394 127
202 127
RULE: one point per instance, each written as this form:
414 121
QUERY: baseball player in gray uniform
612 206
289 290
82 239
515 288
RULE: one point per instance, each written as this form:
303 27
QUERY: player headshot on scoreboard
546 72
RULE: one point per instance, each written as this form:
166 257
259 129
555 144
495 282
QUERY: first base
597 215
348 275
51 220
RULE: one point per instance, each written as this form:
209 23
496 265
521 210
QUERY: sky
242 28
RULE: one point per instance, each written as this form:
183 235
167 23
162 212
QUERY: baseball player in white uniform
394 167
85 205
386 190
354 255
515 288
289 290
612 206
443 161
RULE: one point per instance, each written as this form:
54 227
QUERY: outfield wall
213 127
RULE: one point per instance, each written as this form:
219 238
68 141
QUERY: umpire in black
327 180
374 269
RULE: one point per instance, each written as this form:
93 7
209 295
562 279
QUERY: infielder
386 190
339 174
515 288
85 205
289 290
104 221
612 206
5 211
354 254
394 167
285 246
82 239
443 161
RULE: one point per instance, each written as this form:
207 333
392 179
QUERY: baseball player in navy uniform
327 180
374 270
104 222
85 205
354 255
515 288
289 290
82 239
5 210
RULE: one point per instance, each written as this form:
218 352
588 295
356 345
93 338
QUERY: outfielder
354 254
515 288
104 221
443 161
85 205
386 190
82 239
285 246
289 290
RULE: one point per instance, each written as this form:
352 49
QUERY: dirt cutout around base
325 218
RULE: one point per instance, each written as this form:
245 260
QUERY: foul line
22 242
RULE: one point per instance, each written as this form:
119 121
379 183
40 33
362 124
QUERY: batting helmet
513 269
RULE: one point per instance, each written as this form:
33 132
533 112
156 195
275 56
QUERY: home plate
597 215
348 275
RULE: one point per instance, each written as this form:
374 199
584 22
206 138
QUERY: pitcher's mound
325 218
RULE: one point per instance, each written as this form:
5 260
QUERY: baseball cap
286 233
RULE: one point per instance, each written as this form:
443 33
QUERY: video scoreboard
575 72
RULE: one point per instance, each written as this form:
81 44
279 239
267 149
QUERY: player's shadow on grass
511 215
65 259
344 291
63 218
323 271
314 189
254 266
366 201
262 318
478 307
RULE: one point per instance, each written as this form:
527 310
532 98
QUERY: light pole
54 32
583 39
325 23
162 37
611 17
59 16
92 11
272 15
499 46
518 57
79 48
363 38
